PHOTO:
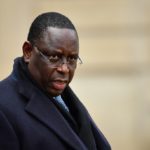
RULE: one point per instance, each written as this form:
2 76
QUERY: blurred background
114 81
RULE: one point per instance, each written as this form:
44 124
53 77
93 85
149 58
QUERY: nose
63 68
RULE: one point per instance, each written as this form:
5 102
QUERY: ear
27 51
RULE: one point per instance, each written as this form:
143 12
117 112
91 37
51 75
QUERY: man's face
55 43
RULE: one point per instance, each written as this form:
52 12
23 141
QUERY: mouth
59 84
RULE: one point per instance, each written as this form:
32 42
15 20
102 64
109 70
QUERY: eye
54 58
72 59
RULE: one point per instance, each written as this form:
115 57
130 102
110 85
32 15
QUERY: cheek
46 74
39 71
71 75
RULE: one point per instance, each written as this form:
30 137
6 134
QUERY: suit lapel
81 116
44 110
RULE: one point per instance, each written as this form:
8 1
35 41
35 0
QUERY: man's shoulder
5 82
8 93
7 87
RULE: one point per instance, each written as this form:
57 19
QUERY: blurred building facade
114 80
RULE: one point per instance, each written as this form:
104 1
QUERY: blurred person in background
38 109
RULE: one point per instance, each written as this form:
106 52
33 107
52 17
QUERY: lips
59 84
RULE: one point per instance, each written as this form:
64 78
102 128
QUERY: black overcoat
29 120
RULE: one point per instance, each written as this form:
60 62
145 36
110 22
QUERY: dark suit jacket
29 120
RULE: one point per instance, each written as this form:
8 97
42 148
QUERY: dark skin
64 42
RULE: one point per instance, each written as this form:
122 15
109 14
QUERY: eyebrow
51 51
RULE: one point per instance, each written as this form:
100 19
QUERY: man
38 110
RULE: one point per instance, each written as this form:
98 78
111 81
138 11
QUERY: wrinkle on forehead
61 37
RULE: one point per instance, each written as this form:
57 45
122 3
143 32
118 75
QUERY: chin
54 93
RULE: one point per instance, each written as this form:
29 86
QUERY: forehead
57 38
